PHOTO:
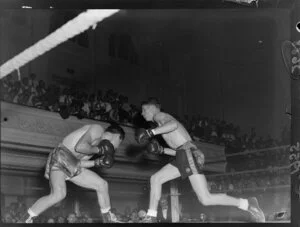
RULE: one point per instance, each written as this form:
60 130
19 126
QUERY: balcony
29 134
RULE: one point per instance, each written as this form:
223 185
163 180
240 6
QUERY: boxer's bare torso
174 138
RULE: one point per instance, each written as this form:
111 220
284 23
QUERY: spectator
72 218
60 219
7 84
214 134
50 220
134 218
88 220
108 109
164 211
99 108
33 83
114 114
7 218
91 100
207 130
125 109
203 217
65 102
41 89
51 98
199 130
14 92
86 106
186 122
141 214
127 212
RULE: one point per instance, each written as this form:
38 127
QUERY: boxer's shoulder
92 129
95 128
162 117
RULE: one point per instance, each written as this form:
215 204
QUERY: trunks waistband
186 145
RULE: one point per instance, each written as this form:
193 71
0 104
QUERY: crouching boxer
189 162
70 161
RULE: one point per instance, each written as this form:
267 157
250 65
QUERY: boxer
70 161
189 162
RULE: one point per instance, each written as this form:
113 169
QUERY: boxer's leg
89 179
57 193
167 173
199 184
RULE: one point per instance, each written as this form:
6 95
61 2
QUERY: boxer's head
150 108
115 134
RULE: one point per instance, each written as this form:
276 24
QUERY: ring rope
258 150
72 28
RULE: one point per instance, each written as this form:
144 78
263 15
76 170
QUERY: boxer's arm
85 143
169 151
167 123
87 163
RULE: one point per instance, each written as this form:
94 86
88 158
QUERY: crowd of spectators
105 106
264 159
270 180
220 132
240 182
274 203
70 218
13 212
114 107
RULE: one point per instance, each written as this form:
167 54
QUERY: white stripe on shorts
191 161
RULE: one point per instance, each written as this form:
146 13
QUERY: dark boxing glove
106 161
105 147
143 136
155 148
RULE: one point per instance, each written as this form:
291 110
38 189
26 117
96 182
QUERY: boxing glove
143 136
154 147
105 161
105 147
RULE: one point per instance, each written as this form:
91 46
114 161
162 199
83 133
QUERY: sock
152 213
105 210
31 213
243 204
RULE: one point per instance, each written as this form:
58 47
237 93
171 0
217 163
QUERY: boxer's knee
155 179
205 199
59 194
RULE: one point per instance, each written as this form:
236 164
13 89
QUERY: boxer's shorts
62 159
189 160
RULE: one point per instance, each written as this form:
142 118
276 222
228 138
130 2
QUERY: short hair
116 129
152 101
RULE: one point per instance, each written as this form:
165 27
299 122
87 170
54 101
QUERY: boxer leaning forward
70 160
189 162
